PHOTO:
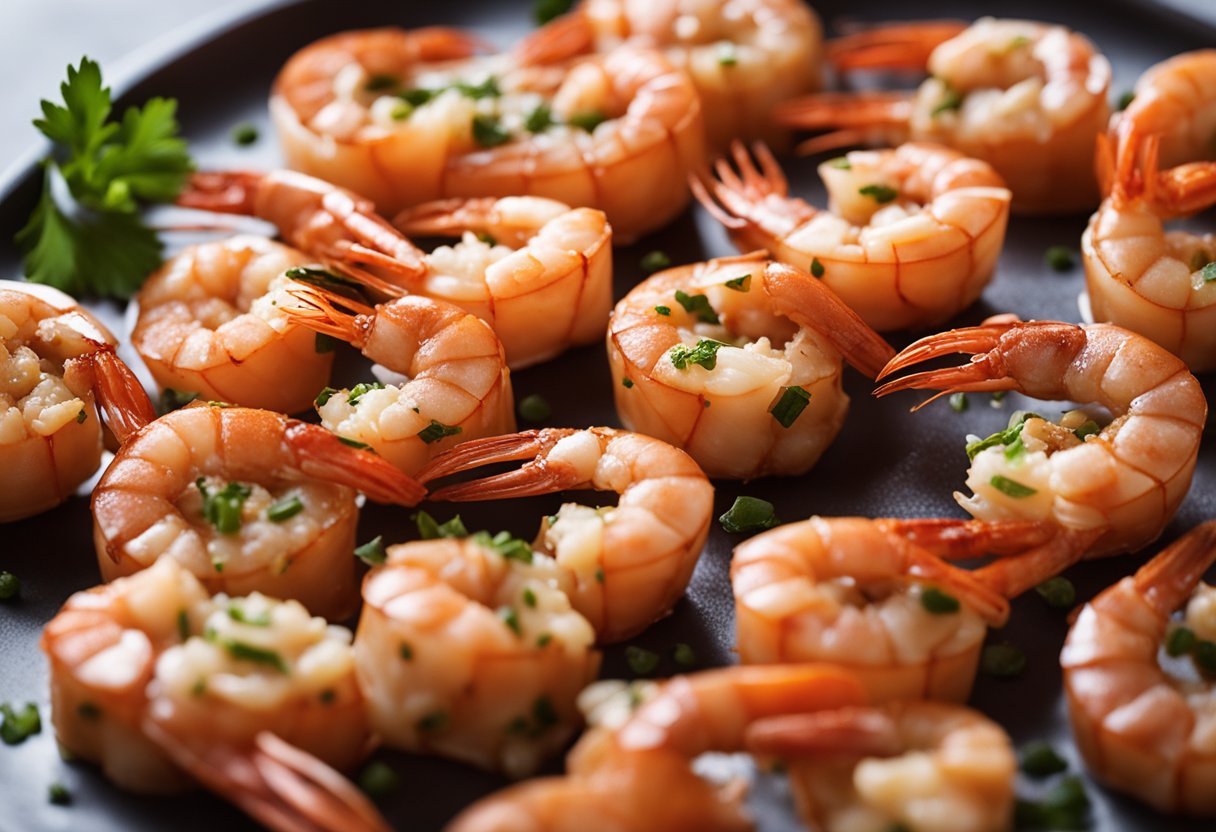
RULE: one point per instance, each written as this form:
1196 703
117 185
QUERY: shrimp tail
225 192
1171 576
279 785
559 40
324 455
328 310
123 401
534 477
376 244
985 373
755 197
851 118
843 734
1013 576
891 45
810 303
445 217
961 539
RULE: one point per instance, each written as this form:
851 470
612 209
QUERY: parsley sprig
91 239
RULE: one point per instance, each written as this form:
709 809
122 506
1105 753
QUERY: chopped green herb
1065 806
663 310
356 444
543 639
641 661
10 586
1059 258
1058 592
749 514
437 430
418 97
245 134
1208 273
322 343
1039 759
1005 437
18 726
937 602
487 132
284 509
372 552
220 405
433 722
223 508
882 194
626 382
817 269
430 529
587 121
511 619
840 163
958 402
360 390
655 261
247 652
239 615
1012 488
740 284
1204 654
81 416
1180 641
488 239
697 305
1015 450
377 779
406 652
790 406
544 714
328 696
951 101
599 576
534 408
382 82
1125 101
997 398
171 400
727 54
529 597
539 119
683 655
89 711
217 564
59 794
1017 43
486 89
509 547
704 354
518 725
183 624
546 10
1090 428
1003 660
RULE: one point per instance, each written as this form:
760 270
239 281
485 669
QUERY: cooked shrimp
1141 277
57 363
722 390
401 125
627 565
246 500
456 386
1125 480
744 56
1028 98
472 652
919 766
211 322
157 682
876 597
638 776
1141 714
911 237
536 271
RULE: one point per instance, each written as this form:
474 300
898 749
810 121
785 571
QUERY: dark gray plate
885 462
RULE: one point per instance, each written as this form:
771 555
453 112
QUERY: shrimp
744 56
1028 98
371 111
638 776
473 651
536 271
1126 479
57 365
777 337
211 322
1141 714
160 684
456 386
919 766
1157 283
246 500
876 596
912 236
627 565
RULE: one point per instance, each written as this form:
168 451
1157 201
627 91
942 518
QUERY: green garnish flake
1090 428
437 430
937 602
171 400
790 406
817 269
401 111
360 390
92 241
529 597
18 726
382 82
506 545
81 416
284 509
1003 660
882 194
599 576
418 97
740 284
249 653
430 529
183 624
1058 592
406 652
486 89
487 131
322 343
1011 488
641 661
627 382
327 696
534 408
544 714
1059 258
487 238
959 403
239 615
1208 273
728 55
749 514
704 354
1015 450
372 552
698 306
543 639
223 508
1125 101
840 163
683 655
324 396
1038 759
356 444
245 134
1005 437
58 794
545 10
1065 806
377 779
655 261
539 119
510 617
1180 641
432 722
10 586
663 310
952 101
89 711
587 121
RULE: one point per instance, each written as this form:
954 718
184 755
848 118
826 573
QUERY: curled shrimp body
211 322
1141 714
246 500
911 237
860 593
465 652
920 766
1147 279
1028 98
626 565
618 132
776 333
57 365
637 776
160 683
1176 100
744 56
538 272
1124 480
456 384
